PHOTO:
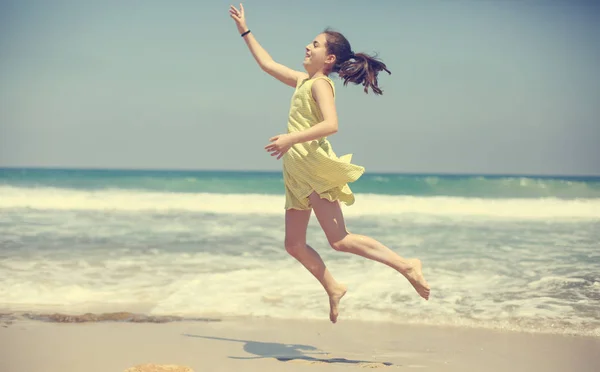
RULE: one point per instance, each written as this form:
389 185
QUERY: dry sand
254 344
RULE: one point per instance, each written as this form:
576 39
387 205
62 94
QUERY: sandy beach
261 344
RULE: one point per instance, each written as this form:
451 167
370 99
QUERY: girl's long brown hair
359 68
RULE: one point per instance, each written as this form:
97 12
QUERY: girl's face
316 57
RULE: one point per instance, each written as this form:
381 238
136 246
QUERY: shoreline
8 317
249 344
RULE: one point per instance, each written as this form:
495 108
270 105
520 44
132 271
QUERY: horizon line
406 173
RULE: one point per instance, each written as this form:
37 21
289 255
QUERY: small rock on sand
158 368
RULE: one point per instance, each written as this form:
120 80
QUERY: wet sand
257 344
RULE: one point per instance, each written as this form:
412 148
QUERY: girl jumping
314 177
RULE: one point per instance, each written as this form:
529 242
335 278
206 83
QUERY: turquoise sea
510 252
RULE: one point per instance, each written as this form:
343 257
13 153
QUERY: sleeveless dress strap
326 79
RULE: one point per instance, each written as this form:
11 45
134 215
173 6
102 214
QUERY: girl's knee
294 248
340 244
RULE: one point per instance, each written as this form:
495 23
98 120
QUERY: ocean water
505 252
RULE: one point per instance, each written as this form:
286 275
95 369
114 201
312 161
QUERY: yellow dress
313 166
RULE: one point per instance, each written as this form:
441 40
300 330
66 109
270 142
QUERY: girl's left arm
323 94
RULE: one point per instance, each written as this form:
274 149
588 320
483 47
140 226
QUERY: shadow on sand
287 352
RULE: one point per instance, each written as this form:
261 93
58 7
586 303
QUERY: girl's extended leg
296 223
331 219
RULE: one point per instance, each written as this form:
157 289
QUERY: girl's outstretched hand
280 145
239 17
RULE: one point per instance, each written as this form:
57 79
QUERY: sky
477 87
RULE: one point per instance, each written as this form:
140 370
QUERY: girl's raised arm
282 73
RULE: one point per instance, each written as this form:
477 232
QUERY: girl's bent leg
296 223
331 220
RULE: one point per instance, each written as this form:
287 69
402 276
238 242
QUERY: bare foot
334 301
415 277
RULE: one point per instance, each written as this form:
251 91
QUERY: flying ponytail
359 68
